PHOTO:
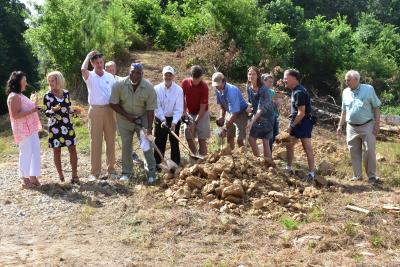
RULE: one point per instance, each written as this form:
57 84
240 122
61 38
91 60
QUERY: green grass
289 223
317 214
377 241
82 135
350 229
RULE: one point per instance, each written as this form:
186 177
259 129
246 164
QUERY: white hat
169 69
217 79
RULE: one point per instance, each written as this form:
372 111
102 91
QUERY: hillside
108 223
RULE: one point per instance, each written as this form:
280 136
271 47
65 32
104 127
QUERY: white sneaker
151 180
124 178
92 178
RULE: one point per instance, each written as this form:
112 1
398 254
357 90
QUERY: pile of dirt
237 182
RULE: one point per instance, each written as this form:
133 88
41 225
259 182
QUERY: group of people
132 106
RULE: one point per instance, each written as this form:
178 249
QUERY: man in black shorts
301 125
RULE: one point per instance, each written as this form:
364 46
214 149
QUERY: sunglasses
97 56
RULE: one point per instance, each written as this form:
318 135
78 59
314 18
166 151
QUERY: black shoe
373 180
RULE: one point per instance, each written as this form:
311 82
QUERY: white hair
353 74
110 63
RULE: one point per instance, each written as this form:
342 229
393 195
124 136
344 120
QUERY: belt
353 124
99 106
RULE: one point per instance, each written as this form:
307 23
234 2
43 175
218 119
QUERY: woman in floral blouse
61 132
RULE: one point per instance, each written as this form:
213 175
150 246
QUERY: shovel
168 165
184 145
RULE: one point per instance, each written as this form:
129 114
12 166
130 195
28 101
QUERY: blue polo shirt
359 104
231 99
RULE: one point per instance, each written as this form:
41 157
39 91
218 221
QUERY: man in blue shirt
231 100
360 109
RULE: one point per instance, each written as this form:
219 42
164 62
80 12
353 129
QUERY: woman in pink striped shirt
25 125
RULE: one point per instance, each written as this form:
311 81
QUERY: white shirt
169 102
99 88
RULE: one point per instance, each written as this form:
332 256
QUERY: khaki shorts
202 128
239 126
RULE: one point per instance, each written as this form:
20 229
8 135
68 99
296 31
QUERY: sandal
27 184
75 180
34 181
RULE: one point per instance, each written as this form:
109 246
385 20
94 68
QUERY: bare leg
266 148
290 151
240 143
57 162
202 147
254 147
73 159
231 142
306 142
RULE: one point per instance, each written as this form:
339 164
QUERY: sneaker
124 178
309 178
92 178
356 178
373 180
151 180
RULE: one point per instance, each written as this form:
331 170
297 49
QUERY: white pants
29 156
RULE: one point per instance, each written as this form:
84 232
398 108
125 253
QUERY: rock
311 191
380 158
280 197
195 182
169 176
181 193
208 189
258 203
326 168
181 202
368 254
216 204
7 202
235 190
321 180
209 197
305 240
168 192
224 208
233 199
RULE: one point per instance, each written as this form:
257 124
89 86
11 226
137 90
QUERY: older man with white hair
360 110
111 67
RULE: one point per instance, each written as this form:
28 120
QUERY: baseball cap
217 79
136 67
169 69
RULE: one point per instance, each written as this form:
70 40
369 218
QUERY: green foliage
322 48
289 223
15 52
275 44
66 31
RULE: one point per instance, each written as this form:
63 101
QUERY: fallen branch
391 208
357 209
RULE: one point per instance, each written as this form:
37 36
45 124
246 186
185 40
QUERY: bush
210 52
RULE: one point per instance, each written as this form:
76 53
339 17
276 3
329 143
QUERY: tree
15 52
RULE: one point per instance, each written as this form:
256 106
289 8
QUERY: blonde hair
59 78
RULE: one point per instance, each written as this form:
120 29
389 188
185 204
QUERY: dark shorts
261 131
303 129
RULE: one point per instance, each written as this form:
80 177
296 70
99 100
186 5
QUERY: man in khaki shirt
134 99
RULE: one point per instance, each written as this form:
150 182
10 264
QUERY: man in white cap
230 100
134 99
168 114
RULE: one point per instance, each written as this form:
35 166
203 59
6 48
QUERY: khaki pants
127 130
101 123
361 143
238 128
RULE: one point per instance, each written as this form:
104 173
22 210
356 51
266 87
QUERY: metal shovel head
164 167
